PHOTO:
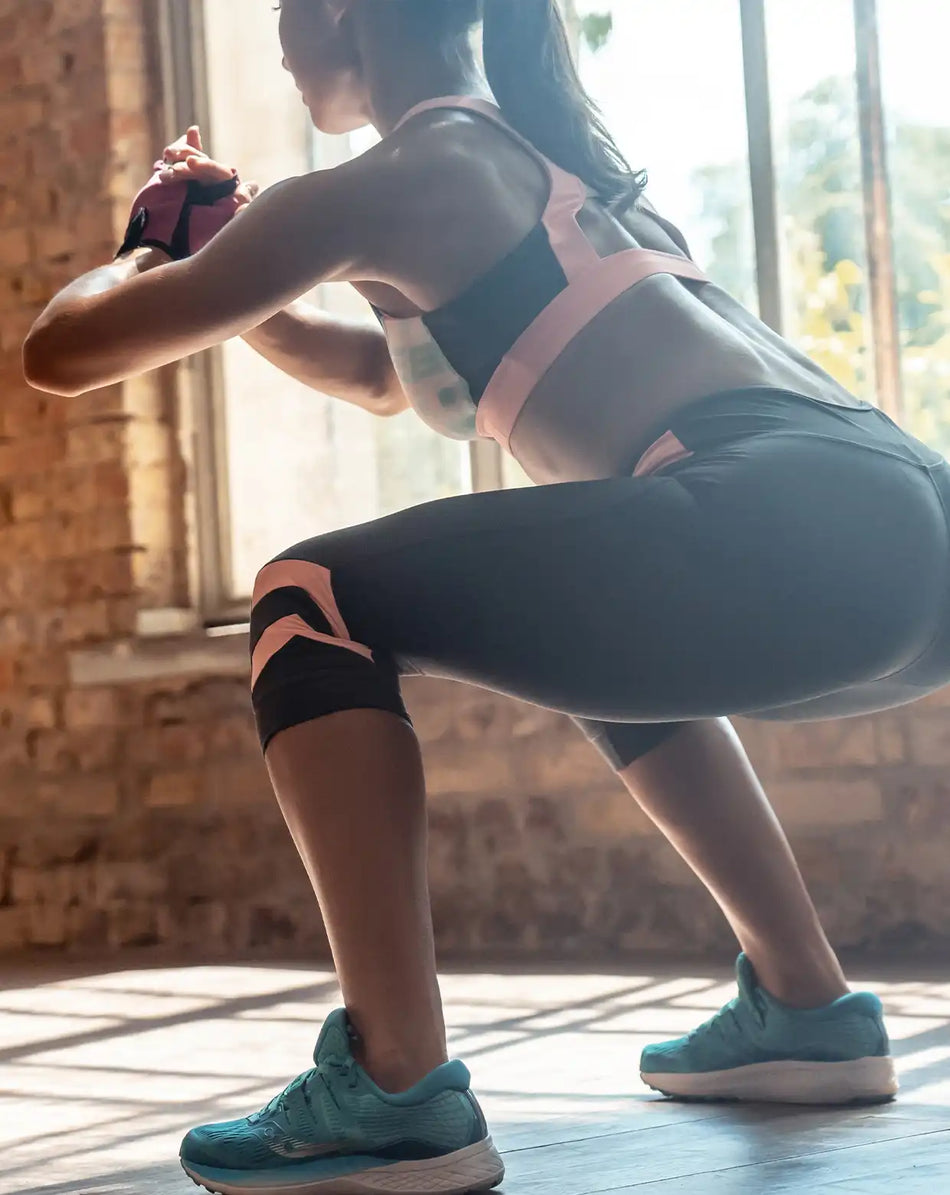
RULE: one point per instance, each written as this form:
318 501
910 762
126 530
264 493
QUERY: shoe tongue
335 1039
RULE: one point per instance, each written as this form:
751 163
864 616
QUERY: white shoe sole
465 1172
866 1080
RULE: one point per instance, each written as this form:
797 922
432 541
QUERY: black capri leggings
794 566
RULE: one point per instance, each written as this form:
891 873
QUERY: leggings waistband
737 415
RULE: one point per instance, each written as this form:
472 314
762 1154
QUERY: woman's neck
403 76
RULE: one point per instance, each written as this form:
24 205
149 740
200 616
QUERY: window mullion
486 464
877 211
201 378
762 162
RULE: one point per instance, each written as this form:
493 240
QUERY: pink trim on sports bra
540 345
594 282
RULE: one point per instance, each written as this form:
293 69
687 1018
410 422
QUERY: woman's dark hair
534 79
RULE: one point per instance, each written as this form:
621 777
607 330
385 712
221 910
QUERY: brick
98 406
196 702
60 752
41 712
15 325
14 759
37 455
235 783
891 738
821 803
15 247
233 735
13 929
845 743
31 501
82 796
127 881
54 240
52 886
87 622
563 761
451 770
87 708
157 746
608 815
169 789
93 443
134 924
43 670
16 632
46 925
8 670
930 738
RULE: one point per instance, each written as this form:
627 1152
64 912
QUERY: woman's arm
345 358
124 320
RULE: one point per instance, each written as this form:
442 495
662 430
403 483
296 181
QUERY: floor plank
102 1071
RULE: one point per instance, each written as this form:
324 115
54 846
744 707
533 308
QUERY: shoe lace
280 1101
343 1066
732 1019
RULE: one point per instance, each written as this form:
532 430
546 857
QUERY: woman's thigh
762 575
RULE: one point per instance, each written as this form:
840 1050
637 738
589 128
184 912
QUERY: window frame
201 378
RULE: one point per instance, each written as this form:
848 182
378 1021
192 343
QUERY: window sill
160 655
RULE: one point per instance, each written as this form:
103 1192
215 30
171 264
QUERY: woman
721 529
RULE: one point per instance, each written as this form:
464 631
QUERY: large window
803 145
914 36
287 463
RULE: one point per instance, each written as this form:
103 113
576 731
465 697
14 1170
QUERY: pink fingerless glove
179 217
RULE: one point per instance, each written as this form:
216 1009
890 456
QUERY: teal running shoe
757 1048
332 1131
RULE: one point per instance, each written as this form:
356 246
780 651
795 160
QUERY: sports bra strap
567 196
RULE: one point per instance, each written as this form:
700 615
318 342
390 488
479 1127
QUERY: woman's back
661 344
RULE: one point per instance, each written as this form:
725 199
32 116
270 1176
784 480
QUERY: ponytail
534 78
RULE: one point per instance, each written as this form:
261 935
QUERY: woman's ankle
396 1062
799 983
394 1073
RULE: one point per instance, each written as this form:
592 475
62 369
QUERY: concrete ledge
218 653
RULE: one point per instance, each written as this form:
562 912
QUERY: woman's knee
304 661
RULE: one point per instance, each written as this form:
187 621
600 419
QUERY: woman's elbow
386 395
48 368
393 402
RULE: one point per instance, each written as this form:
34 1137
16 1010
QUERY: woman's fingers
187 146
246 194
208 171
185 159
179 150
203 170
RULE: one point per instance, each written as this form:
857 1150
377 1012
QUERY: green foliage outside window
823 231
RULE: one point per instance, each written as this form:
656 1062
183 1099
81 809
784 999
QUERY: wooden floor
103 1071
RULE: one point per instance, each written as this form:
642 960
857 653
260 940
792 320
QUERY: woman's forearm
97 281
346 359
49 338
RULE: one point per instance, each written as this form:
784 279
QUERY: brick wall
136 811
